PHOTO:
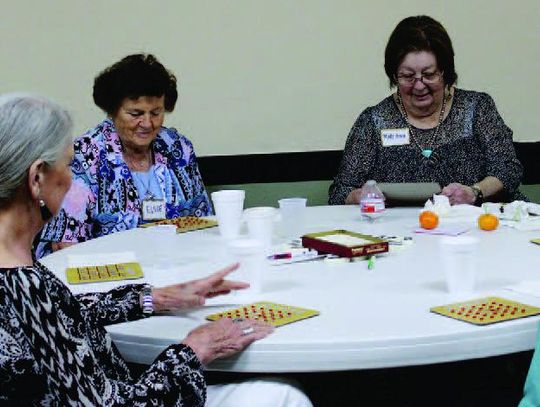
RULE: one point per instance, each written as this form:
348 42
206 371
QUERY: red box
345 243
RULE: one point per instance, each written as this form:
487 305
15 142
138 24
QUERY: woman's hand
225 337
194 293
459 194
353 197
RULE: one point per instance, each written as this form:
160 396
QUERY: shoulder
381 115
174 145
172 137
472 97
384 108
95 136
95 145
20 278
380 109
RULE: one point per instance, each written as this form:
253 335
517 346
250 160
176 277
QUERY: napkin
440 205
517 214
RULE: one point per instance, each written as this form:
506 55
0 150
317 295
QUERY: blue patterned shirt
103 198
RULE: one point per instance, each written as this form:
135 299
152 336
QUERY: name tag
395 137
153 209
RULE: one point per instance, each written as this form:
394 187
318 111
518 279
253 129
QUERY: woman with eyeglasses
429 130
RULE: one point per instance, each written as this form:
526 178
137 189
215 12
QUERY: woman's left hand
459 194
194 293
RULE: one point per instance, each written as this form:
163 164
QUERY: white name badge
153 209
395 137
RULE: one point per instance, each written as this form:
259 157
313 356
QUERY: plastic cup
260 222
293 213
229 205
459 262
252 258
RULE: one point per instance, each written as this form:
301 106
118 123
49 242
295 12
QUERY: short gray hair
32 127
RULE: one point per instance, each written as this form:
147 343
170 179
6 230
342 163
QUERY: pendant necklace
141 176
426 152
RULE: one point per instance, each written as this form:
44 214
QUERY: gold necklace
426 152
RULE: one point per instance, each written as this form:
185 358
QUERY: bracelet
147 301
478 195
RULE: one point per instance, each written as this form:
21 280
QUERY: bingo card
108 272
485 311
274 314
185 223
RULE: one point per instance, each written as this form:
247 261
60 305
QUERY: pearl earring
45 212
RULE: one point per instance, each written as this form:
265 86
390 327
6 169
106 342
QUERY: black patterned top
54 349
473 142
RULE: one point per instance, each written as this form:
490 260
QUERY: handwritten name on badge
395 137
153 209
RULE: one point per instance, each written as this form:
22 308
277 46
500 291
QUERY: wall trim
315 166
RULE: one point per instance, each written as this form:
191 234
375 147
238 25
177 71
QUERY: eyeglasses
427 78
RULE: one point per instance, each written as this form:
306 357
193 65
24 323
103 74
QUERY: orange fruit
428 220
488 221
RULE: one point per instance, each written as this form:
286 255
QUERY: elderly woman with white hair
54 347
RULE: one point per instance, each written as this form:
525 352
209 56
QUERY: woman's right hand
225 337
353 197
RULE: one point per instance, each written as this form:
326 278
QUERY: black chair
529 155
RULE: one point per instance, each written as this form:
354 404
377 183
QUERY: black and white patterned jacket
54 349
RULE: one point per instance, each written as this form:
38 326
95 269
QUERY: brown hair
132 77
415 34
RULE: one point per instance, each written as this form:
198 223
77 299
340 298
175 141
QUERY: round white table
368 318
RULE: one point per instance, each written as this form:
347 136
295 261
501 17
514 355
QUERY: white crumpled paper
517 214
441 206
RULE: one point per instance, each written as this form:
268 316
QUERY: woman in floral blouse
54 349
129 164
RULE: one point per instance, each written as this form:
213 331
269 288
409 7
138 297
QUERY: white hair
32 127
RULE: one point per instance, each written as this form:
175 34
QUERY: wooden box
345 243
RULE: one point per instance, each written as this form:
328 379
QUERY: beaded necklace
426 152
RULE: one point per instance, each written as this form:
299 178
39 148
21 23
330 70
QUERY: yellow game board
185 223
485 311
109 272
274 314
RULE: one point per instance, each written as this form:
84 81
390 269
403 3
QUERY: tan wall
266 76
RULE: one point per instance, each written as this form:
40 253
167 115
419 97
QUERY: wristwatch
478 195
147 303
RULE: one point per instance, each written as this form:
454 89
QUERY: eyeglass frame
410 80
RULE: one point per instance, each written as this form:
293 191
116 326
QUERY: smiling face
138 121
420 99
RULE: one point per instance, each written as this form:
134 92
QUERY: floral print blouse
54 349
103 198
